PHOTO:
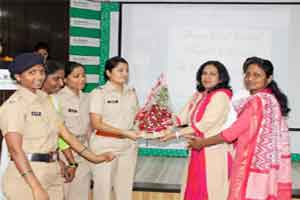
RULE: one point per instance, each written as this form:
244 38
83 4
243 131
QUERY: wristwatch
73 165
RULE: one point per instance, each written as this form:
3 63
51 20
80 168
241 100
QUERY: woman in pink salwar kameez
262 165
206 176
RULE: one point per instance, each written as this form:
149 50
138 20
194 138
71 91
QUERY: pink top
262 166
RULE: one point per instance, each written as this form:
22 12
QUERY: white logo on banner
85 23
84 41
83 4
85 60
92 78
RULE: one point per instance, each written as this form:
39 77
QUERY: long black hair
70 66
112 63
268 68
223 76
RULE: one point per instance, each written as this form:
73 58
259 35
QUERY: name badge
36 113
72 110
113 101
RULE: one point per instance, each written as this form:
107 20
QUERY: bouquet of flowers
155 116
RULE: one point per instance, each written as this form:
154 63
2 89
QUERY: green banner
87 23
83 13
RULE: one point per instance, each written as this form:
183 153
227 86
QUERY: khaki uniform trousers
79 188
114 180
15 187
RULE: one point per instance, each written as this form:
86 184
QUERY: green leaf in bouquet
162 97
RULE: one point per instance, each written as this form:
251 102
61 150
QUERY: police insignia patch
34 113
112 101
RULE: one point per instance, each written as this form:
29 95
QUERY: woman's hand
40 194
105 157
69 174
168 135
62 166
133 135
194 142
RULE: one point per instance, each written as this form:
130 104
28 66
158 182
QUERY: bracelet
84 149
177 134
26 173
73 165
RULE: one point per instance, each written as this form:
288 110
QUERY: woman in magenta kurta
262 167
205 115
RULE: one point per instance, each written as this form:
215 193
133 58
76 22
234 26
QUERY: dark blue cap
25 61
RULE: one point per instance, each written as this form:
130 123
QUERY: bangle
84 149
73 165
178 134
26 173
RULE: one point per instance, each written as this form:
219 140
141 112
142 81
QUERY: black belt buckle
43 157
39 157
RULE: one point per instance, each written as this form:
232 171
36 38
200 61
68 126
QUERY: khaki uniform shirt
75 111
116 109
33 116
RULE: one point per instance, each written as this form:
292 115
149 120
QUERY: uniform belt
107 134
42 157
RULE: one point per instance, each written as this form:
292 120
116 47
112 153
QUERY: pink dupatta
262 166
196 185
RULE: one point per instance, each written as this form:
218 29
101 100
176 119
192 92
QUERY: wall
25 22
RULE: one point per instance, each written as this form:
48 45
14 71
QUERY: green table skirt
183 153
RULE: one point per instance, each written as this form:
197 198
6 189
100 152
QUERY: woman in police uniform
30 125
54 81
74 106
113 107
